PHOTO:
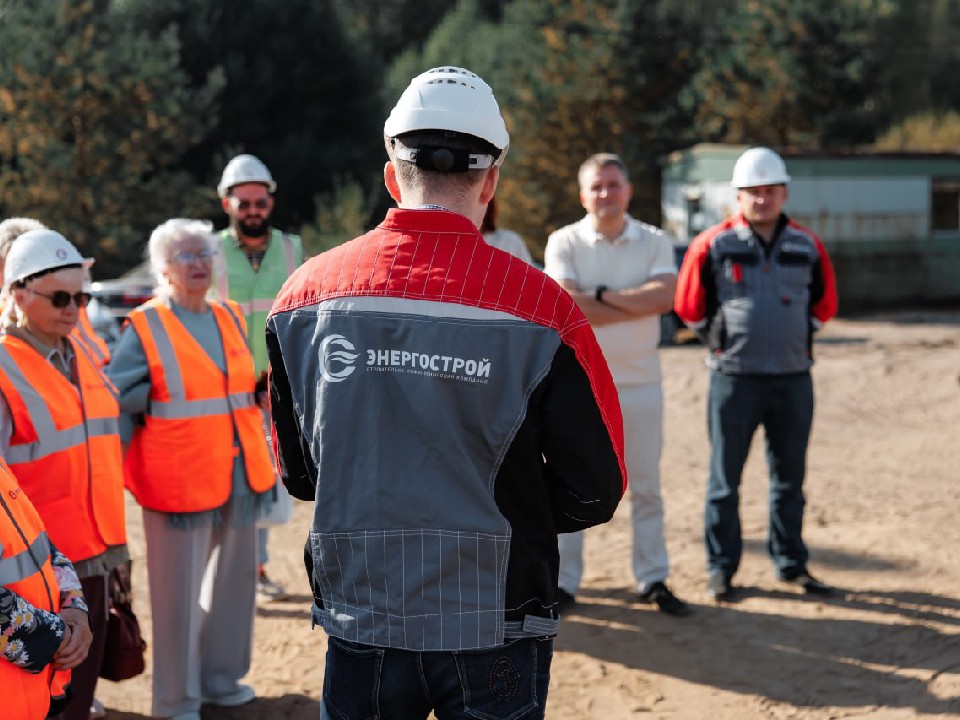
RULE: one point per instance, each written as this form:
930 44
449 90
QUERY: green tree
300 93
342 215
576 78
919 41
94 121
785 73
446 46
926 132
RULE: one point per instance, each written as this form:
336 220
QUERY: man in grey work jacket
755 287
422 388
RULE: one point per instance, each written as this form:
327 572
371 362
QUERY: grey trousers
202 592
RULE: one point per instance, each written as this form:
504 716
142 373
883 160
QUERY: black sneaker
659 594
718 586
810 585
565 601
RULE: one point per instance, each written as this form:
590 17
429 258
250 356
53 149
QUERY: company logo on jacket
337 355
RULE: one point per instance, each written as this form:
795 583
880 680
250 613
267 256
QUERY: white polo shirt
509 241
579 253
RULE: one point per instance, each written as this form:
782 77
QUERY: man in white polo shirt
622 274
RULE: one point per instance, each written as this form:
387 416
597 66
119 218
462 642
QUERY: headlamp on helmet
448 100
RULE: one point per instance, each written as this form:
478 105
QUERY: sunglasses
185 257
261 204
61 298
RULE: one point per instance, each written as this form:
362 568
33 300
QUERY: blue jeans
737 405
362 682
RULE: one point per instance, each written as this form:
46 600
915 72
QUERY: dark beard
253 229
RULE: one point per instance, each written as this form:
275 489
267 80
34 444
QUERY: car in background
121 295
113 300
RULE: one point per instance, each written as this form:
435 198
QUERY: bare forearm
599 313
653 297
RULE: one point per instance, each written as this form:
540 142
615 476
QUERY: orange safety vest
65 448
25 569
181 460
84 334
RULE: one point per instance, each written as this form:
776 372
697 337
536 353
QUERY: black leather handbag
123 654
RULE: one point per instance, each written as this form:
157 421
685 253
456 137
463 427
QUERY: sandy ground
882 524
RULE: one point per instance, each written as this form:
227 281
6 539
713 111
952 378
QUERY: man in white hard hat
422 392
254 262
622 274
755 288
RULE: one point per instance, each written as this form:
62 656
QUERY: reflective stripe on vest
88 338
65 447
178 406
14 568
197 414
49 439
26 569
264 305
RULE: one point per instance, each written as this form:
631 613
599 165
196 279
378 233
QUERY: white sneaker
97 710
268 590
241 696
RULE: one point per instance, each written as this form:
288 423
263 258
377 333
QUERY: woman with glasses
198 466
59 429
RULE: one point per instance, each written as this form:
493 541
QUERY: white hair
170 233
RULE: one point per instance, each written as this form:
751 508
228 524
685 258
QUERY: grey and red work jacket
756 305
449 410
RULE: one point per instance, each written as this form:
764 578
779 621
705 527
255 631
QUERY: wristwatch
598 295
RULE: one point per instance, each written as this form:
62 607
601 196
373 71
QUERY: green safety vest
254 291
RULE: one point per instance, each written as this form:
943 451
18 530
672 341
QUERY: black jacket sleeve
293 457
580 462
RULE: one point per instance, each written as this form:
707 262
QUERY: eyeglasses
186 257
261 204
61 298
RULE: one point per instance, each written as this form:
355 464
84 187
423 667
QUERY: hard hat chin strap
441 159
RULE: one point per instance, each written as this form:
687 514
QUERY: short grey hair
172 232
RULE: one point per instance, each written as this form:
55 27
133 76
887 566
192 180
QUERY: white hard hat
38 250
450 98
245 169
759 166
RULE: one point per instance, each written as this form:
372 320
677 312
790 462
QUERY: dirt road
882 523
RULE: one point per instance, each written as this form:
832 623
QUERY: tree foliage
298 92
927 132
94 120
783 73
118 114
595 76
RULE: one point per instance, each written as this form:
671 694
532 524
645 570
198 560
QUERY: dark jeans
737 405
510 682
83 680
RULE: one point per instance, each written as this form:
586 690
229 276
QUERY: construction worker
59 429
255 260
10 230
423 384
755 288
44 627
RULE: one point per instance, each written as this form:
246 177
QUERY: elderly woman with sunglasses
59 429
198 466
